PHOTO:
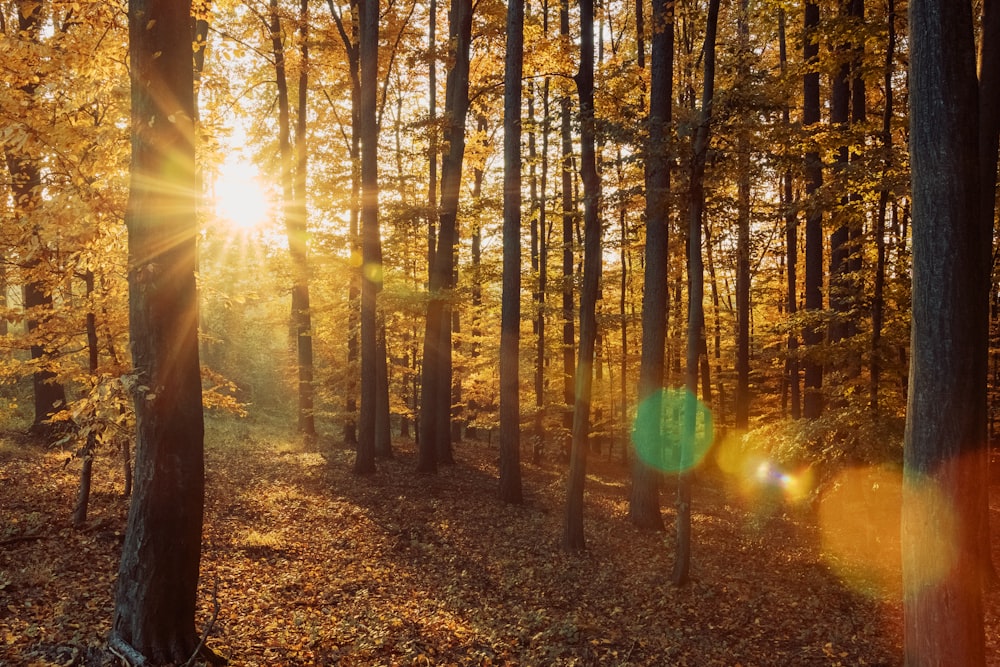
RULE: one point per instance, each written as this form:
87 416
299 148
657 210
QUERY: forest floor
312 565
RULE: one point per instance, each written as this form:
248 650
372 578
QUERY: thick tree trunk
158 576
573 538
510 316
435 403
942 597
364 462
813 335
644 502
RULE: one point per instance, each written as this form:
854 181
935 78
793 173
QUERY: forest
627 332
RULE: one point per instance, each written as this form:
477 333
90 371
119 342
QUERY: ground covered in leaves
311 565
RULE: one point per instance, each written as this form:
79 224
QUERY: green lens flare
672 430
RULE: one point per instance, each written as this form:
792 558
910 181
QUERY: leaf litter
312 565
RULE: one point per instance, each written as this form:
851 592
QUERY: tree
696 292
574 537
158 576
26 190
942 597
370 249
435 414
742 407
644 503
812 403
510 318
294 162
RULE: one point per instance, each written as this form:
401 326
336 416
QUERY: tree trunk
696 313
354 286
791 243
26 190
158 576
742 407
569 213
574 537
813 335
364 462
989 124
644 502
878 296
86 471
942 597
435 403
298 242
510 317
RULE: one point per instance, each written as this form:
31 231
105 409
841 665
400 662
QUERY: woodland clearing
312 565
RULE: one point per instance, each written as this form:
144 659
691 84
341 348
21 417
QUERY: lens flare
859 523
672 430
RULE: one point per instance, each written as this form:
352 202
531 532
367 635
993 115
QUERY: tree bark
48 393
158 576
813 335
791 243
298 241
573 539
644 502
510 317
696 312
364 462
942 597
569 213
878 290
742 407
435 404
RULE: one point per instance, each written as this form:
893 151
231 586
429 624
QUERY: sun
242 199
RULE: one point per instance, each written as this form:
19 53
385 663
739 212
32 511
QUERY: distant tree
510 318
294 161
26 190
942 596
158 577
644 503
573 538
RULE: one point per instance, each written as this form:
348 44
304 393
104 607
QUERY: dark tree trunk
364 462
840 94
569 213
813 335
435 403
354 288
878 290
989 124
158 576
742 407
86 471
510 316
942 597
574 537
644 502
791 243
25 184
696 313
